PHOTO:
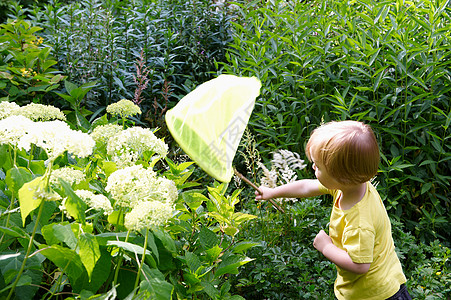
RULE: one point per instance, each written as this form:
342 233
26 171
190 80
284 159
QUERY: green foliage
211 250
26 72
286 264
385 63
102 41
74 97
54 242
427 266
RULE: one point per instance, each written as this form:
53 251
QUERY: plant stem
121 257
11 206
142 259
30 244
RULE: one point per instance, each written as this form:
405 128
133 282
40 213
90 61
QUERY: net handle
241 176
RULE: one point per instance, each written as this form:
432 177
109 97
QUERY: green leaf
210 289
207 238
47 232
239 217
165 239
108 167
89 251
65 259
231 230
17 177
15 231
193 199
103 238
193 262
426 187
231 265
151 243
116 218
69 86
23 281
82 123
3 147
213 253
241 247
128 247
156 285
65 233
27 197
74 205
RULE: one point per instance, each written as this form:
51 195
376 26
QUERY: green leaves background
386 63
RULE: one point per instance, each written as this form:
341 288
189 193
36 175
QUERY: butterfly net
209 122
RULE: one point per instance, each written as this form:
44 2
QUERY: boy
345 157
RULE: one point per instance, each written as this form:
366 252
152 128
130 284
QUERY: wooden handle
257 189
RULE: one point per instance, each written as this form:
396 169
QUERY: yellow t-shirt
364 231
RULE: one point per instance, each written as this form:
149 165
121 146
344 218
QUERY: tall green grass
386 63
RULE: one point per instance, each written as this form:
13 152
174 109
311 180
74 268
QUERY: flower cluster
8 109
54 137
283 166
128 145
32 111
13 129
97 202
102 134
135 188
40 112
68 174
130 185
147 214
123 108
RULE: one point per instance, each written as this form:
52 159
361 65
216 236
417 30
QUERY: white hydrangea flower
8 109
131 185
56 137
41 112
13 130
95 201
68 174
123 108
128 145
168 190
103 133
80 143
148 213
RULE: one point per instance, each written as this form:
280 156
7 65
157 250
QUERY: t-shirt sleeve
323 189
359 243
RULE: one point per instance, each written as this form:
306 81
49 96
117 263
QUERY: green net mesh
209 122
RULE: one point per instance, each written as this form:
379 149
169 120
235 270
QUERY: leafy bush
84 215
385 63
26 73
102 41
286 264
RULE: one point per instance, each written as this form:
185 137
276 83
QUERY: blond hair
348 150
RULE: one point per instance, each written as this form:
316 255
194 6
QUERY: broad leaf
16 178
66 259
28 198
89 251
74 205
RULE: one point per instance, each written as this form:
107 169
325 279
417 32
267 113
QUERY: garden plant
98 202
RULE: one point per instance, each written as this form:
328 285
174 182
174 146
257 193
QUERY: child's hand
321 241
266 193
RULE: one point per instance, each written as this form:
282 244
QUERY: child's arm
299 189
338 256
